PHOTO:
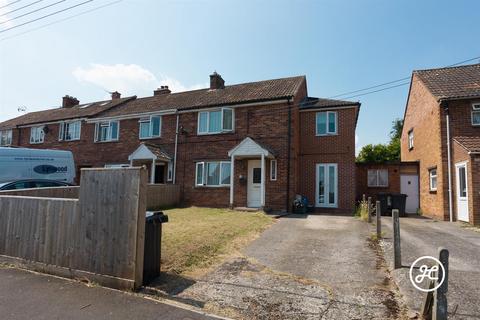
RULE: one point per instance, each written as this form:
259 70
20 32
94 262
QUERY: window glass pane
202 125
331 184
213 173
227 119
273 169
462 183
321 123
114 130
199 173
476 117
321 184
372 178
257 175
332 122
215 124
382 178
225 172
103 133
155 126
144 129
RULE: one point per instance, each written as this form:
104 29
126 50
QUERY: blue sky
134 46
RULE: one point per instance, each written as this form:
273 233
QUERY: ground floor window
212 173
327 185
377 178
433 179
273 170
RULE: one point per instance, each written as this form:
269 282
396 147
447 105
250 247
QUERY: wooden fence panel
100 236
163 195
53 192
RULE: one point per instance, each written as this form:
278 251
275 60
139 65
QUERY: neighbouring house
254 144
442 132
389 177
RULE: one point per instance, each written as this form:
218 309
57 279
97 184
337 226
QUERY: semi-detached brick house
442 132
247 145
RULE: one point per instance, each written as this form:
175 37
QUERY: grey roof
314 103
452 82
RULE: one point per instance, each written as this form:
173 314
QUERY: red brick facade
267 124
426 116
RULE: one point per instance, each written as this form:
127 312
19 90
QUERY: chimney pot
216 81
69 101
116 95
161 90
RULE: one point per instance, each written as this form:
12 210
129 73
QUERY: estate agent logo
427 273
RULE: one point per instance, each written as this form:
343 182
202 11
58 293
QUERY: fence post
379 219
440 302
397 256
369 219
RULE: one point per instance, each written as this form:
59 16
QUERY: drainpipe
449 163
289 143
176 148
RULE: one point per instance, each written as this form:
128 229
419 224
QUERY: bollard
397 256
369 217
379 220
440 301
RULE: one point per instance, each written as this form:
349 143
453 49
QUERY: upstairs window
106 131
150 127
170 171
215 121
37 135
70 131
410 139
432 173
377 178
476 114
326 123
5 138
214 173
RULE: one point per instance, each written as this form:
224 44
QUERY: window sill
109 141
326 135
36 142
73 140
214 133
378 187
149 138
213 187
432 191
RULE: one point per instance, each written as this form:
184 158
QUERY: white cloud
128 79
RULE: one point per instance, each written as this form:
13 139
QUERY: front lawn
195 238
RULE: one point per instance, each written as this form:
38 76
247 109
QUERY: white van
23 163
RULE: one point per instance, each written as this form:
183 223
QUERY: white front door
254 184
462 191
326 194
409 186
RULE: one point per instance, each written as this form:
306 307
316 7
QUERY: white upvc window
410 139
326 123
150 127
476 114
212 173
107 131
432 173
273 170
377 178
5 138
37 135
69 131
216 121
170 171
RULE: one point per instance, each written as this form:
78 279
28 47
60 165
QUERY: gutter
449 160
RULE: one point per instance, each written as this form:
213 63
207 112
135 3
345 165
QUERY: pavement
303 267
422 236
27 295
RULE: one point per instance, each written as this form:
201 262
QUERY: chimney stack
161 90
116 95
216 81
69 101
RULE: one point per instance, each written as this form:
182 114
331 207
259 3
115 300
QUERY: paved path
420 237
25 295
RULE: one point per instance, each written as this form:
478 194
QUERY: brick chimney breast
69 101
116 95
162 90
216 81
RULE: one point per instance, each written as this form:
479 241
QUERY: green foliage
378 153
362 210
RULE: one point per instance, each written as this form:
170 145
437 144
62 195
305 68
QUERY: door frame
327 185
457 188
248 183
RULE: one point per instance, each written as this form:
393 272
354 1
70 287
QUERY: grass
195 238
362 210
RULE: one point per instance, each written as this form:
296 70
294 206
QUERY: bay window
106 131
215 121
150 127
212 173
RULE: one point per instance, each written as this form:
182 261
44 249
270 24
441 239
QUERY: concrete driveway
420 237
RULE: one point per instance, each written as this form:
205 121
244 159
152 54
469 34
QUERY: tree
378 153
